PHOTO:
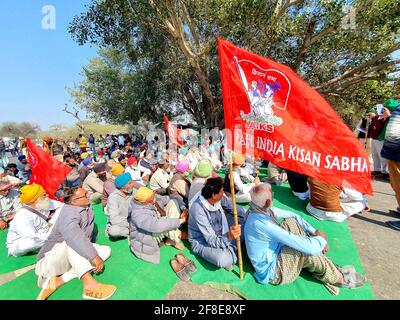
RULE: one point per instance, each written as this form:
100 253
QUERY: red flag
271 111
173 132
46 170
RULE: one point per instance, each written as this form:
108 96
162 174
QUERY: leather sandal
187 263
180 270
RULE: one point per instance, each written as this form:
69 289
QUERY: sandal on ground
101 292
49 287
187 263
352 279
180 270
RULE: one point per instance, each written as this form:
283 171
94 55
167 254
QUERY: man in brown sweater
334 203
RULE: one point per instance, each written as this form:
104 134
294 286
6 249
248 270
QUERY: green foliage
162 55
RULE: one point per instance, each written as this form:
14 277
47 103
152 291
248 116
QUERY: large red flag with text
270 112
46 170
173 132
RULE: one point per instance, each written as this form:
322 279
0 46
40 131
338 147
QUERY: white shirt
10 203
193 156
11 179
244 188
27 225
135 174
160 179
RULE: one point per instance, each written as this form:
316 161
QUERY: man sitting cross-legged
151 220
118 206
210 235
69 253
9 203
30 226
279 251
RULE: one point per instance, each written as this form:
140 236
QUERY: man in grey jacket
147 229
118 205
68 252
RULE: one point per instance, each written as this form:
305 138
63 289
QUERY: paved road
378 244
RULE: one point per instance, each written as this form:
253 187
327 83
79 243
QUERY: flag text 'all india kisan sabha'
298 154
270 112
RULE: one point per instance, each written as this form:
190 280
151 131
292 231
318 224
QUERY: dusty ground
376 242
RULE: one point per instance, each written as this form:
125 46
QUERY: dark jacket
391 146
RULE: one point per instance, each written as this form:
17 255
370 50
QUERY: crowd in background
155 193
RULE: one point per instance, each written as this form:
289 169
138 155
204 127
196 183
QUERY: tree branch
364 65
280 10
76 116
191 25
311 38
306 44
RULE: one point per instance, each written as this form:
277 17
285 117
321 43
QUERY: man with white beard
30 226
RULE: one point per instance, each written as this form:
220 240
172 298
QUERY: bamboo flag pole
366 134
235 216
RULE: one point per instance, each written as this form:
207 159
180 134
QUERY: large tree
23 129
168 51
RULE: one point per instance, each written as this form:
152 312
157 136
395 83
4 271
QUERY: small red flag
173 132
272 112
46 170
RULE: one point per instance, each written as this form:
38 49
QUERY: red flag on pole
173 132
46 170
270 111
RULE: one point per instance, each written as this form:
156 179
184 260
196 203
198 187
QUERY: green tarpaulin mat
8 264
137 279
342 251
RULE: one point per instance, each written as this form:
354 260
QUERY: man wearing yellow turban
152 221
109 186
29 228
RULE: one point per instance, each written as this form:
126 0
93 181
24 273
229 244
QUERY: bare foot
367 208
177 245
3 225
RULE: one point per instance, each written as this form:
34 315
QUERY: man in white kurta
29 228
9 203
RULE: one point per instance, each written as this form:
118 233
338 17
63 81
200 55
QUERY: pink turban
182 166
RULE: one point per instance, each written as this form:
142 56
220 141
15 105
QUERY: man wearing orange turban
242 190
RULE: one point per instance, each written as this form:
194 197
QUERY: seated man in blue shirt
210 234
279 251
